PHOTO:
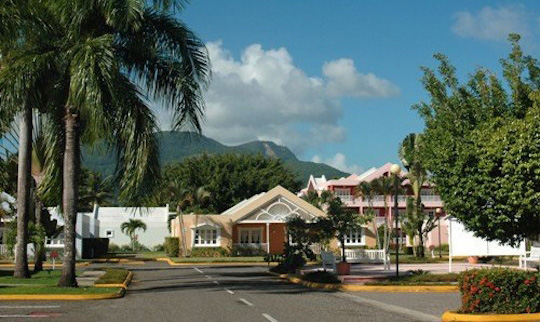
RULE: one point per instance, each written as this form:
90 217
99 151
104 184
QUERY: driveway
227 293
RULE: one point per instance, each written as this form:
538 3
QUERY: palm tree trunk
40 245
23 193
69 198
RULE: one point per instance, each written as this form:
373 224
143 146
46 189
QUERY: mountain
175 146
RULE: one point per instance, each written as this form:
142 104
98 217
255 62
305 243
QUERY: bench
534 256
328 258
368 256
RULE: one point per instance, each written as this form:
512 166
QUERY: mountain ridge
175 146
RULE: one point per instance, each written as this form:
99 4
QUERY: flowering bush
499 291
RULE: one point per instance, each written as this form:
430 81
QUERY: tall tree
366 191
94 190
385 186
481 145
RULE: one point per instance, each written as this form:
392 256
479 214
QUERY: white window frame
343 192
109 233
355 241
208 231
250 231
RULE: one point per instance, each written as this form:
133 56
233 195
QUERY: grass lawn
30 290
423 279
113 276
47 277
251 259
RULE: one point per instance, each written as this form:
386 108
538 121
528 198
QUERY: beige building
256 223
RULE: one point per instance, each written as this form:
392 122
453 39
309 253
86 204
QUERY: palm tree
317 200
366 191
95 190
385 186
410 154
130 227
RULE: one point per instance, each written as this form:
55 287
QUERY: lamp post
438 211
395 169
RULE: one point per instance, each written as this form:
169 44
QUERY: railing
367 256
431 198
345 198
3 249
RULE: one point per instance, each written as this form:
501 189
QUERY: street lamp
438 211
395 169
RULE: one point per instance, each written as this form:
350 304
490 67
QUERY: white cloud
264 95
492 23
339 161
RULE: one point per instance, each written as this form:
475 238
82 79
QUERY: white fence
373 256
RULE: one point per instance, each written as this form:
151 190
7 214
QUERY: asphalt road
163 293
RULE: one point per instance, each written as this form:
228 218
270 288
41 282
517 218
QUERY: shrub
209 252
242 251
289 264
172 246
158 248
321 277
126 248
113 248
499 291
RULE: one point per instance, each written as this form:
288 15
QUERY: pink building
345 188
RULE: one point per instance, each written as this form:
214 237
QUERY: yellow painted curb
371 288
73 297
453 316
172 263
48 265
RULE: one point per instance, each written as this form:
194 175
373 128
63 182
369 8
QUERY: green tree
94 190
410 154
482 147
366 191
385 186
228 178
130 228
318 200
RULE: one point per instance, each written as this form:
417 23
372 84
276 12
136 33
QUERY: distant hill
175 146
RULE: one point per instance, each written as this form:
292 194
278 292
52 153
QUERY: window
355 237
207 237
250 235
109 233
343 194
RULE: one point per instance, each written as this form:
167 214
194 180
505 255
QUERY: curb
172 263
453 316
82 264
118 261
370 288
73 297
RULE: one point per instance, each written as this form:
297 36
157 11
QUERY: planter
343 268
453 316
473 259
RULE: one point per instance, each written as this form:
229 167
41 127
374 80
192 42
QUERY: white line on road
229 291
416 315
269 318
246 302
30 307
208 276
216 282
198 270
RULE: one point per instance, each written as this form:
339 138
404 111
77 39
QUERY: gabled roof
243 209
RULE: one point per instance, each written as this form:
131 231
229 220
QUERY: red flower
497 289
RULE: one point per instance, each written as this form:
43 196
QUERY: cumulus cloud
492 23
339 161
264 95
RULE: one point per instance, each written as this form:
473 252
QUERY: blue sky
335 80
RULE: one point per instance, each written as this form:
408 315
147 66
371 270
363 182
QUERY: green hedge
500 291
321 277
209 252
172 246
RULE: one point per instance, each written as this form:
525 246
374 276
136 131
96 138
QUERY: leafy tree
228 178
130 228
318 200
385 186
482 145
416 223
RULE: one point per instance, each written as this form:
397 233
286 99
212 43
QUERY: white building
105 222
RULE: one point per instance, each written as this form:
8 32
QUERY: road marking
246 302
208 277
198 270
415 315
269 318
216 282
229 291
30 307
